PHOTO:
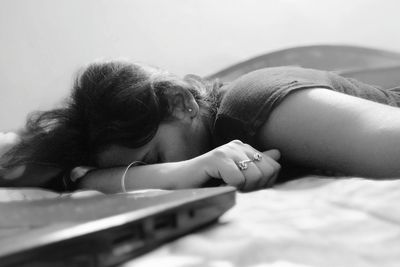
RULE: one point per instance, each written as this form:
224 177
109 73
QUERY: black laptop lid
103 230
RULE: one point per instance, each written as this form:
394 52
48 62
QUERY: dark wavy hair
111 103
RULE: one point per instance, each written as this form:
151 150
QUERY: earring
190 110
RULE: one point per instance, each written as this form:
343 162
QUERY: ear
183 104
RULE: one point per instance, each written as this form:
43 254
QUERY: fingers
273 154
261 168
262 171
253 177
231 174
270 168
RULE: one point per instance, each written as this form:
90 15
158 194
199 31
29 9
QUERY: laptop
104 230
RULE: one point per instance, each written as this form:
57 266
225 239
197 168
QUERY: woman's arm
219 163
153 176
325 129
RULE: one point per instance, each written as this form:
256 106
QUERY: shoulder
247 101
260 86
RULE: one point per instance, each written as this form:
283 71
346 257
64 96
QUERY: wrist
193 172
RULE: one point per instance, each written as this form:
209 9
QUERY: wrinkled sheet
307 222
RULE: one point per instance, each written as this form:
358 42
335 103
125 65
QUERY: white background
44 42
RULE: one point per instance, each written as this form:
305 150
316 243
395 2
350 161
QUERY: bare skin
315 127
329 130
182 146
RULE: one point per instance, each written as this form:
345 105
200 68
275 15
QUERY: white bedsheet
307 222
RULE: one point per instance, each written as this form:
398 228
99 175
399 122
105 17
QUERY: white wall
43 42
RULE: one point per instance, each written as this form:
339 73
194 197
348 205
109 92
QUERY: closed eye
159 159
153 159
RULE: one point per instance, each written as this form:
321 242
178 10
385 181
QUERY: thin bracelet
134 163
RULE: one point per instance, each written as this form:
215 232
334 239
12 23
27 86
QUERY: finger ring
244 164
257 156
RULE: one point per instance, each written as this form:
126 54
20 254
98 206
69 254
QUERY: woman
140 127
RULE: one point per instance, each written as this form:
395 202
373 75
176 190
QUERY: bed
311 221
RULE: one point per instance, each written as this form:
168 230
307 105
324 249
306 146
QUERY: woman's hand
260 168
221 162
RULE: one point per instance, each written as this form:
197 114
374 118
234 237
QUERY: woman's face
174 141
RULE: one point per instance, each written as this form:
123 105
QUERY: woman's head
117 103
113 104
